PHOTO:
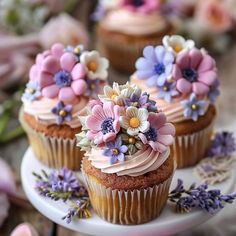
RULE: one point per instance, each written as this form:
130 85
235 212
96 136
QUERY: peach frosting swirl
132 23
41 110
141 162
174 111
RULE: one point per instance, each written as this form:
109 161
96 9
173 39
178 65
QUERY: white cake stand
168 223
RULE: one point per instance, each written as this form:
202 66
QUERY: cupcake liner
54 152
188 150
127 207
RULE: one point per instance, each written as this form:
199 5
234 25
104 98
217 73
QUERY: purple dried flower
167 91
63 112
116 151
32 91
223 144
214 91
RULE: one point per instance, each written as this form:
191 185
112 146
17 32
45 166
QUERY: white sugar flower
177 44
128 89
96 66
135 120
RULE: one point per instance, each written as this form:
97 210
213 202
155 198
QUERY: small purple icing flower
167 91
222 145
194 107
156 65
214 91
116 151
32 91
77 51
93 88
98 14
63 112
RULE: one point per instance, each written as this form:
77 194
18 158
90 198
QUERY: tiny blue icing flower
167 91
32 91
63 112
214 91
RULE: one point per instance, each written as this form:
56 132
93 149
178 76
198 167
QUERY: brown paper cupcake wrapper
54 152
127 207
188 150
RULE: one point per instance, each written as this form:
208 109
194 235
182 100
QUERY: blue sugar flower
167 91
32 91
194 107
63 112
116 151
156 65
214 91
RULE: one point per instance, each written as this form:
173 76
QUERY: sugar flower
141 6
214 91
135 120
78 50
193 107
160 134
103 123
96 66
116 151
93 88
62 112
167 91
177 44
194 71
58 74
32 91
155 66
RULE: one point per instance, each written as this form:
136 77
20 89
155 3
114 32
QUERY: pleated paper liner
127 207
188 150
54 152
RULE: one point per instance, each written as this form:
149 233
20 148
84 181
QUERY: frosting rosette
61 82
182 77
124 133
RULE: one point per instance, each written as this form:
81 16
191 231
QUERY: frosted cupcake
61 83
183 80
128 27
127 167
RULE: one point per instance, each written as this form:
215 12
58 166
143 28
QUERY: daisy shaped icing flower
59 74
135 120
194 71
160 134
177 44
156 65
95 65
62 112
32 91
103 123
167 91
141 6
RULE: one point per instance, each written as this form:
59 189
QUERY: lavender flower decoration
214 92
199 197
93 88
63 112
77 51
156 65
194 107
167 91
222 145
116 151
32 91
98 14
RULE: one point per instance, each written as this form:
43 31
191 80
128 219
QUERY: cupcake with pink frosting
127 27
61 83
127 165
183 80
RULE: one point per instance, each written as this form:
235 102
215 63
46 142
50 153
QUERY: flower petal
168 128
160 53
166 140
184 86
33 73
157 120
66 94
206 64
176 72
109 137
93 122
196 58
208 77
57 49
50 65
108 109
79 86
161 80
78 72
45 79
152 81
149 53
50 91
144 127
67 61
200 88
183 60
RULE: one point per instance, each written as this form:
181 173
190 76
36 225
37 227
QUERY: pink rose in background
24 229
213 15
194 71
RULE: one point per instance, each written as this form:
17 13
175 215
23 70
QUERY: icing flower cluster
122 121
179 69
66 74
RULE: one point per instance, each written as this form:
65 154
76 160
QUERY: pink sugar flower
160 134
103 123
194 71
141 6
59 74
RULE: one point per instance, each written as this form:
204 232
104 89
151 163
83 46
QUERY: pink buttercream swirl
141 162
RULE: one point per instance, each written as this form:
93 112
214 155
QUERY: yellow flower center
178 48
92 66
62 113
115 151
165 88
30 90
134 122
77 50
194 106
132 140
113 96
93 86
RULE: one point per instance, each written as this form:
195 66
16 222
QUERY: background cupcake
183 80
127 166
127 27
61 82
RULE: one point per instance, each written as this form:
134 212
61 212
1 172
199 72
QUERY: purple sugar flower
98 14
63 112
93 88
155 66
77 51
167 91
194 107
214 91
116 151
32 91
222 145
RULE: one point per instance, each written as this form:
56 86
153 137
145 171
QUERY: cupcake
61 83
127 167
127 27
183 80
